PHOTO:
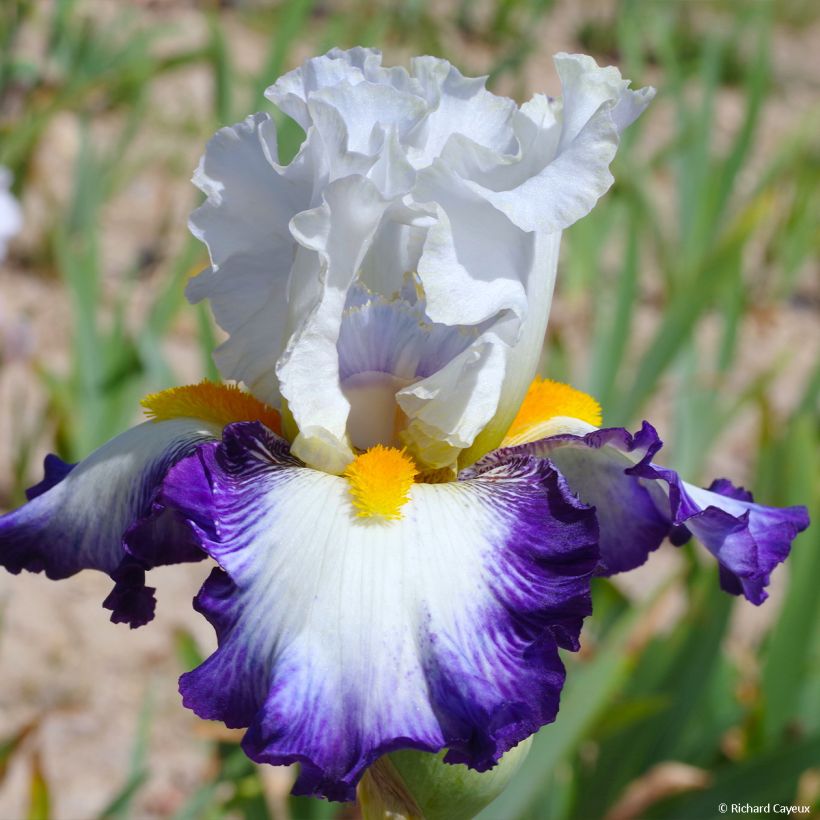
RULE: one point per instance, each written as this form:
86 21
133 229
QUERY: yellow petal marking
380 481
219 404
547 399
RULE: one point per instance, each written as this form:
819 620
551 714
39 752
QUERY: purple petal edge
84 517
131 601
631 526
748 540
555 547
54 471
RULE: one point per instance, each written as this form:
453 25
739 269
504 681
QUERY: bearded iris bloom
404 524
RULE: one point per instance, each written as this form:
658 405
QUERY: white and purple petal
396 337
748 540
639 503
77 516
342 638
416 383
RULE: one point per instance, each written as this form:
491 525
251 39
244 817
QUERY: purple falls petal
748 540
77 516
596 467
341 638
639 503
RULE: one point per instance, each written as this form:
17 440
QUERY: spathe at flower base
412 784
403 536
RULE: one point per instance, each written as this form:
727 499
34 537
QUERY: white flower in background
392 283
11 219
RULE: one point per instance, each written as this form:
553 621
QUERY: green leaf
310 808
39 807
187 649
10 745
798 627
221 71
680 668
765 779
290 25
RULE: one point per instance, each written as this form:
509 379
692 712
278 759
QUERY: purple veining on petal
631 526
553 530
395 337
614 471
476 687
165 536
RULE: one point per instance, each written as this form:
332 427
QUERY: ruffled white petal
244 223
475 262
290 93
522 359
458 105
562 166
422 172
249 205
363 117
340 232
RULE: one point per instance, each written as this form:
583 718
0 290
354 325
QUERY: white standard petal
339 232
475 262
562 167
248 204
458 105
245 224
586 87
360 109
522 360
291 91
429 174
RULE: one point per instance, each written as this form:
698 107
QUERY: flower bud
415 785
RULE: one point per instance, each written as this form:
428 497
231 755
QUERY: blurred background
690 296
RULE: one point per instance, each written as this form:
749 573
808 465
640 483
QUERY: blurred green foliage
672 239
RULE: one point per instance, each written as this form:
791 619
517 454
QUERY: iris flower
404 524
